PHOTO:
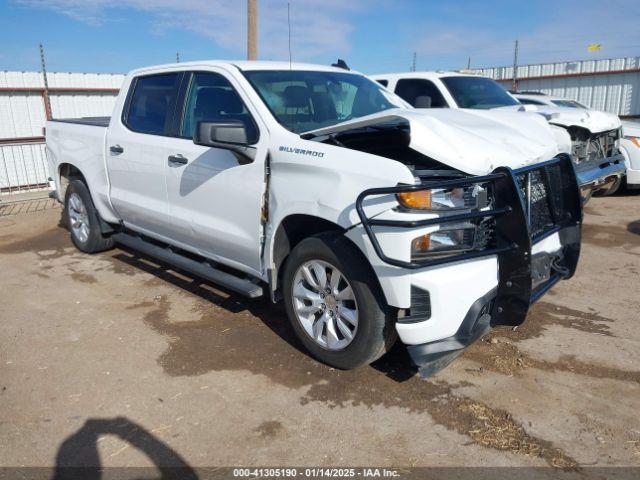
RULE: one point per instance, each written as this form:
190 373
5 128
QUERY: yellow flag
594 47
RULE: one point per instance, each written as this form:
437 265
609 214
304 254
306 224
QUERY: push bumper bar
517 227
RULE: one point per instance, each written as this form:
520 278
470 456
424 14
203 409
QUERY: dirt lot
109 356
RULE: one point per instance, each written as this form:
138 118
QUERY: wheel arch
66 173
290 232
293 229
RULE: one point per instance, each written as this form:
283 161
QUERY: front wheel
334 303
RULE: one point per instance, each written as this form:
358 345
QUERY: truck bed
94 121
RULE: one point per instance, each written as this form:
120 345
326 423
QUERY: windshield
568 104
306 100
478 92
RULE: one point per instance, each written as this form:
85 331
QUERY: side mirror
423 101
229 135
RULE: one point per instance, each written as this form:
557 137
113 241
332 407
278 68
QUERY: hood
593 120
471 142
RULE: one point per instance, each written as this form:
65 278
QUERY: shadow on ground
78 457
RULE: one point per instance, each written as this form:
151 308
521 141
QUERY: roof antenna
341 64
289 25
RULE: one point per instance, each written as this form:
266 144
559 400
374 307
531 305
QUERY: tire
374 332
82 220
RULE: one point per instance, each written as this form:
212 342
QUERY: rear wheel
83 221
334 303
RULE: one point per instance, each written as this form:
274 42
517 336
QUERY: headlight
439 199
446 240
450 237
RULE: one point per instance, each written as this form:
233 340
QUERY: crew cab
594 135
316 186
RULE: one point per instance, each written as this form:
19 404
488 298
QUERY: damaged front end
598 162
528 205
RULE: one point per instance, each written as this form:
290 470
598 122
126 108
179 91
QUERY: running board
201 269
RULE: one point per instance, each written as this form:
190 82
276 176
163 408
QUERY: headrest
296 96
154 103
218 100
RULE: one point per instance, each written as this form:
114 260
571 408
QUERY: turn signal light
421 244
418 199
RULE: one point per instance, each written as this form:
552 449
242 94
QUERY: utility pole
514 84
413 65
469 64
252 30
45 93
177 57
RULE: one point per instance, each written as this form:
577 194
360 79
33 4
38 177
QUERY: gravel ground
115 360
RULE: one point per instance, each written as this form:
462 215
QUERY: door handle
177 160
116 149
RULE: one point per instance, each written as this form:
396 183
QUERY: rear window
151 105
384 83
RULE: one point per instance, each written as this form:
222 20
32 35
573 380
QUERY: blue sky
371 35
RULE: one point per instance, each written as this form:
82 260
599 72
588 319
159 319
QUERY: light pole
252 29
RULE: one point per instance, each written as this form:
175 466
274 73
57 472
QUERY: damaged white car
594 135
313 185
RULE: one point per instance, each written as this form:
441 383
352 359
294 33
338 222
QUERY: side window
420 93
211 98
384 83
150 107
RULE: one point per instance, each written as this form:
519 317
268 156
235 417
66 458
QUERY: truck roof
425 74
245 65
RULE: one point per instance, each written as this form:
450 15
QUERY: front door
215 195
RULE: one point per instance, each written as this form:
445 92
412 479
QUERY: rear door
215 195
136 152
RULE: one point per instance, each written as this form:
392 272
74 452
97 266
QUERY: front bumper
522 236
434 356
592 178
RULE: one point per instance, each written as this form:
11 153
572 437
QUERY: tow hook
558 268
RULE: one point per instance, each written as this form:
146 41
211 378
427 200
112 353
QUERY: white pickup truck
594 135
315 185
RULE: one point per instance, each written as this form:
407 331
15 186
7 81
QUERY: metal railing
24 177
23 168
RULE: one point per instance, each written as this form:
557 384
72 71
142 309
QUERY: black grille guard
514 237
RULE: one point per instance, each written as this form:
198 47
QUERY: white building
611 85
